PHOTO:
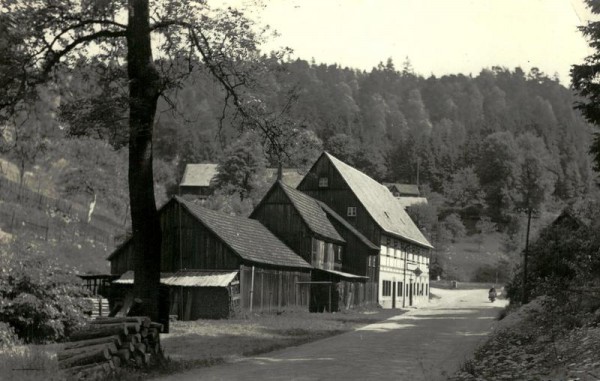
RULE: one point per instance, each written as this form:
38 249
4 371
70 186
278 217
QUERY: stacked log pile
106 344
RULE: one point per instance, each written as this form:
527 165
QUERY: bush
41 300
8 337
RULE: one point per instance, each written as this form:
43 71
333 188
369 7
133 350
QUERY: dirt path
423 344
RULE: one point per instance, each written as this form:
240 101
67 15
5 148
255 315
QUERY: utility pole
525 290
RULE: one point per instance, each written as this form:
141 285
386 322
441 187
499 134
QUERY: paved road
426 344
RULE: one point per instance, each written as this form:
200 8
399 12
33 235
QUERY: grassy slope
49 225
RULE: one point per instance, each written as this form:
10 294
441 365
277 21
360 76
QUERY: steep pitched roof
330 212
248 238
198 175
311 212
379 202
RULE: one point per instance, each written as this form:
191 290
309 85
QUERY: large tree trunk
143 97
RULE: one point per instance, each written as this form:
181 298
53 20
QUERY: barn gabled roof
198 175
331 213
379 202
246 237
311 212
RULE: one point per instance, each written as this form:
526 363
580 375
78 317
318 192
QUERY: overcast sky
439 36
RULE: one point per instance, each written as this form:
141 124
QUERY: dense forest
466 138
476 145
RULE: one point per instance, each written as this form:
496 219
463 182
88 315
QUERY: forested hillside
460 135
479 146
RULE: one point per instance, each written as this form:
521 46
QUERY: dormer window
351 211
323 182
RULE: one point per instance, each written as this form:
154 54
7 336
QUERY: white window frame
323 182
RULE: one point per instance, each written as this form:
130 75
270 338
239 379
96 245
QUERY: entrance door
410 294
393 294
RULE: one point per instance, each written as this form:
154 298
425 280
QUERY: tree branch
56 56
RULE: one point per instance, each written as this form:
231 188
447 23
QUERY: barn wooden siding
356 294
196 248
278 215
338 196
274 289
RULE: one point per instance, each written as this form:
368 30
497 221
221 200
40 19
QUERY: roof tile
248 238
311 213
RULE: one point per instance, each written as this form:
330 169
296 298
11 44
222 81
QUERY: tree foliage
584 78
562 260
39 298
117 39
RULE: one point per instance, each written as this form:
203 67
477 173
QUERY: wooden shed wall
123 260
273 289
280 216
338 196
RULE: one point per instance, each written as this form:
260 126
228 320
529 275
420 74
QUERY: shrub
8 337
41 300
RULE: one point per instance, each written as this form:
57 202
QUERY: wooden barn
213 264
402 266
300 222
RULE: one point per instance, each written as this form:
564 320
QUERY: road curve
426 344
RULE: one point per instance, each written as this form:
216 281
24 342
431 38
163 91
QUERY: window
351 211
372 261
338 253
399 288
390 247
329 257
386 288
323 182
318 253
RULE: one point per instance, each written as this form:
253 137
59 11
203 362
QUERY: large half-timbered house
213 263
403 261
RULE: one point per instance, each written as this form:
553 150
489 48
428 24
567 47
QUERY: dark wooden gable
338 196
196 247
358 247
279 215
